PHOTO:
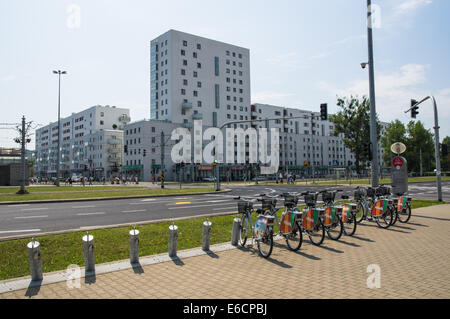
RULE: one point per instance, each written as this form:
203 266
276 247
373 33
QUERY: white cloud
411 5
10 77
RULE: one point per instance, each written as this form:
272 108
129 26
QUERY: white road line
41 208
149 200
83 206
217 201
134 211
87 214
19 205
19 231
26 217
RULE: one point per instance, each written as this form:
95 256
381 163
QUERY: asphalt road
32 219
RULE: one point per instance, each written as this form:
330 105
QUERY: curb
107 198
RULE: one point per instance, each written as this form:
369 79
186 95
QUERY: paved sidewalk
413 259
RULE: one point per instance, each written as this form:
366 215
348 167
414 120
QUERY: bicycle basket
244 206
327 197
371 192
293 200
268 204
310 200
386 190
359 194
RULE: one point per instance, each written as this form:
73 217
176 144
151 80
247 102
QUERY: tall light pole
373 113
59 72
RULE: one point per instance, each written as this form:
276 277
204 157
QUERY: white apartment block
197 78
91 142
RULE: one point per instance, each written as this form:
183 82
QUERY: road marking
41 208
184 207
87 214
217 201
25 217
19 205
134 211
183 203
83 206
19 231
181 198
149 200
221 208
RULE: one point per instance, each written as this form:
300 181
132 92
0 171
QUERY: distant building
10 166
91 143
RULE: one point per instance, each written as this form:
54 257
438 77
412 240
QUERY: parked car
76 178
259 178
209 179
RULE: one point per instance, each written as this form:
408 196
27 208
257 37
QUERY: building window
195 93
199 65
194 55
185 82
183 52
199 47
216 64
199 103
214 118
217 97
183 92
101 122
228 52
185 43
184 62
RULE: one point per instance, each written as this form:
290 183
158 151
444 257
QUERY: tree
420 140
445 160
353 122
395 132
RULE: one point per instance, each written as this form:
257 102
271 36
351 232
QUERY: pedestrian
281 178
293 179
70 181
90 180
83 180
136 179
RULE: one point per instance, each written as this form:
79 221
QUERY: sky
302 53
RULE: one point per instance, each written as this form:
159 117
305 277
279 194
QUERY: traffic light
414 109
125 149
323 112
145 153
368 151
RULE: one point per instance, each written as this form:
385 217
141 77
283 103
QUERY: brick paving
413 259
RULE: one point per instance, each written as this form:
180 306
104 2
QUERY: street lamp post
59 72
373 125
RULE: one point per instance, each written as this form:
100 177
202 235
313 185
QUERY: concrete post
88 248
134 246
34 258
173 237
206 234
235 233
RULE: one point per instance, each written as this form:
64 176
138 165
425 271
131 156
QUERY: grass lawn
59 251
51 189
102 193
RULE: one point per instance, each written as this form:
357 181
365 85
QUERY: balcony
124 118
114 141
113 150
186 106
187 125
113 159
197 116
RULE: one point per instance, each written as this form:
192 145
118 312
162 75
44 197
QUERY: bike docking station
207 225
35 260
88 249
235 232
134 246
173 238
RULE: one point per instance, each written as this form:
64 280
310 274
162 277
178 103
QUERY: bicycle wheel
243 230
265 245
384 221
334 231
405 214
350 225
360 212
394 215
317 234
295 238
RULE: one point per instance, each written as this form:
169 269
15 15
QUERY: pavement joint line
108 198
26 217
60 276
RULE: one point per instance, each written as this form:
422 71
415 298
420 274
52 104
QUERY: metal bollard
88 248
173 237
235 234
206 234
34 258
134 246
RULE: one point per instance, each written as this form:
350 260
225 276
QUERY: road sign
397 162
398 148
305 163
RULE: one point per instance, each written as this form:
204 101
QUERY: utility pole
22 162
373 124
162 159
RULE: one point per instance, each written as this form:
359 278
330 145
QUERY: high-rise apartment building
197 78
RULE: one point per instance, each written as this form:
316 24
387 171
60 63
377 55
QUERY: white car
75 178
209 179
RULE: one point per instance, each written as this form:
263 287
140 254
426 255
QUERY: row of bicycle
335 219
